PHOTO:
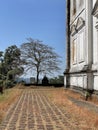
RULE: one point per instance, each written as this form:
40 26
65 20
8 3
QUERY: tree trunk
37 78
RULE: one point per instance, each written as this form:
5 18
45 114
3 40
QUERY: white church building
81 44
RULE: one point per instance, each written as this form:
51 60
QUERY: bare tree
39 57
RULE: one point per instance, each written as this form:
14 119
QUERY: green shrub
1 86
1 83
8 84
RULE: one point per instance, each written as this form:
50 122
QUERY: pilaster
66 73
89 32
89 43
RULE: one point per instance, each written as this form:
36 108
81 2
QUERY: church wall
65 80
78 80
95 49
96 81
95 41
83 70
78 46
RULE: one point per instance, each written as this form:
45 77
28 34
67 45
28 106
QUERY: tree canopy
12 56
10 65
39 57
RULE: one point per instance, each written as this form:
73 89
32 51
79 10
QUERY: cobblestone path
34 111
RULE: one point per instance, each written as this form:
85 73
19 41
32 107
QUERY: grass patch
7 99
79 116
4 97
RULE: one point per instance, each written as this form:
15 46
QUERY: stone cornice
80 23
96 25
76 27
95 10
73 30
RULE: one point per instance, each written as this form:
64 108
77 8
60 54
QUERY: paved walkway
88 105
34 111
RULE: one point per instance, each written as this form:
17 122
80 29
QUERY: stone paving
85 104
34 111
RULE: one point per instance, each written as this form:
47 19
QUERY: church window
81 46
74 51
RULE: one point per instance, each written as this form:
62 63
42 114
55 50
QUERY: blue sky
38 19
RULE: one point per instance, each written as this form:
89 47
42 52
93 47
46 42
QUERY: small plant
87 95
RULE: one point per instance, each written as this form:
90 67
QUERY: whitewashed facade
82 44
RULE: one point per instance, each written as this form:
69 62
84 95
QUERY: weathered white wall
65 81
79 80
79 37
96 82
86 44
95 39
95 49
73 81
